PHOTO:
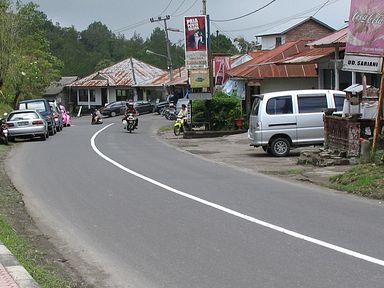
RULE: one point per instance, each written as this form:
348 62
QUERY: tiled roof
265 66
180 77
125 73
56 87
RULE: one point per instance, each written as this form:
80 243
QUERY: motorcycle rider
131 110
183 112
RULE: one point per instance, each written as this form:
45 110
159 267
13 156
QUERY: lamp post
168 61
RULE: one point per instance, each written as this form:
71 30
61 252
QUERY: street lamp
168 62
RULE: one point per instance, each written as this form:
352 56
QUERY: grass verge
27 244
364 179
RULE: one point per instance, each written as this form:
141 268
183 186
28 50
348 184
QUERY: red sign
196 48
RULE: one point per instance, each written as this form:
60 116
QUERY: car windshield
23 116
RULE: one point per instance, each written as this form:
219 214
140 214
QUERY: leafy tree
31 66
245 46
221 44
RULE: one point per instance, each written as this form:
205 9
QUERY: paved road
142 214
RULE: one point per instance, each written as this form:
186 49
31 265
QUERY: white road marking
233 212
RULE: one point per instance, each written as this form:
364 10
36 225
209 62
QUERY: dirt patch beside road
234 151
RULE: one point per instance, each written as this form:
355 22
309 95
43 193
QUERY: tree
245 46
221 44
31 65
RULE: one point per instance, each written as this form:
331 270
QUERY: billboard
366 27
196 42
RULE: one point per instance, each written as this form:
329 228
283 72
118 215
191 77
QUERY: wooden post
378 117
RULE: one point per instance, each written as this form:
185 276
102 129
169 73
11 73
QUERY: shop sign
362 63
196 42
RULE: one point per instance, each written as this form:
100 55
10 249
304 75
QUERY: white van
285 119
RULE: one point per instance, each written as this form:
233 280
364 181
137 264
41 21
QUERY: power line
165 9
245 15
284 20
320 8
190 7
177 9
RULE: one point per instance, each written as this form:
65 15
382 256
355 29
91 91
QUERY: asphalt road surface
135 212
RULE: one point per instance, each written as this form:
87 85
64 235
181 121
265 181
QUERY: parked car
42 106
143 106
26 124
160 106
285 119
114 108
67 121
57 115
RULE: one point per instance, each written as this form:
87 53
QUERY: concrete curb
12 274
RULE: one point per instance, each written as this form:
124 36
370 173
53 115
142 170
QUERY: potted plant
238 116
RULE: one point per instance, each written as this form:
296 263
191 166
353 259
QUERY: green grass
30 258
364 179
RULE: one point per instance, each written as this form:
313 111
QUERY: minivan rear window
339 101
313 103
255 106
38 106
280 105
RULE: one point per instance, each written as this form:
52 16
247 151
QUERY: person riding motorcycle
131 110
183 113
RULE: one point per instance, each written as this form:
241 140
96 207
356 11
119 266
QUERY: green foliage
223 110
221 44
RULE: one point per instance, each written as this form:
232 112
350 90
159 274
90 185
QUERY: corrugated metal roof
338 38
180 77
309 56
283 28
265 66
57 87
125 73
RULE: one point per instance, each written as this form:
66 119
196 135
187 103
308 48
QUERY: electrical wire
282 21
183 13
320 8
245 15
178 8
165 9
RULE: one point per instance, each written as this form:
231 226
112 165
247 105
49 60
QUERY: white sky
133 15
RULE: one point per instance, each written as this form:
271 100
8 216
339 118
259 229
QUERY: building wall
269 42
308 30
273 85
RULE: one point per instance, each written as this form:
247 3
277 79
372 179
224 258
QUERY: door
104 96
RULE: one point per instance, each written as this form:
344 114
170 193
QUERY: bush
224 110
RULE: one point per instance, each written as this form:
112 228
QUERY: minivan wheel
280 147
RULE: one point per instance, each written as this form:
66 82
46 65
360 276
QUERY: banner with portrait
196 42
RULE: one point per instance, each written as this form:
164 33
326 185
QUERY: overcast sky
128 16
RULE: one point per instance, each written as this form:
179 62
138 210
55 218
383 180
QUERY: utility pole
169 59
204 8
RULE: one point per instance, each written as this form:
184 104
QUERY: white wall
269 42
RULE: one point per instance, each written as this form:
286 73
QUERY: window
280 105
36 105
83 95
255 106
92 95
278 41
312 103
121 94
339 101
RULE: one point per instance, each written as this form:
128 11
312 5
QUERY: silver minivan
285 119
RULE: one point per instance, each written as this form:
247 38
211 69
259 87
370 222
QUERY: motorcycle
96 119
129 122
3 131
178 128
